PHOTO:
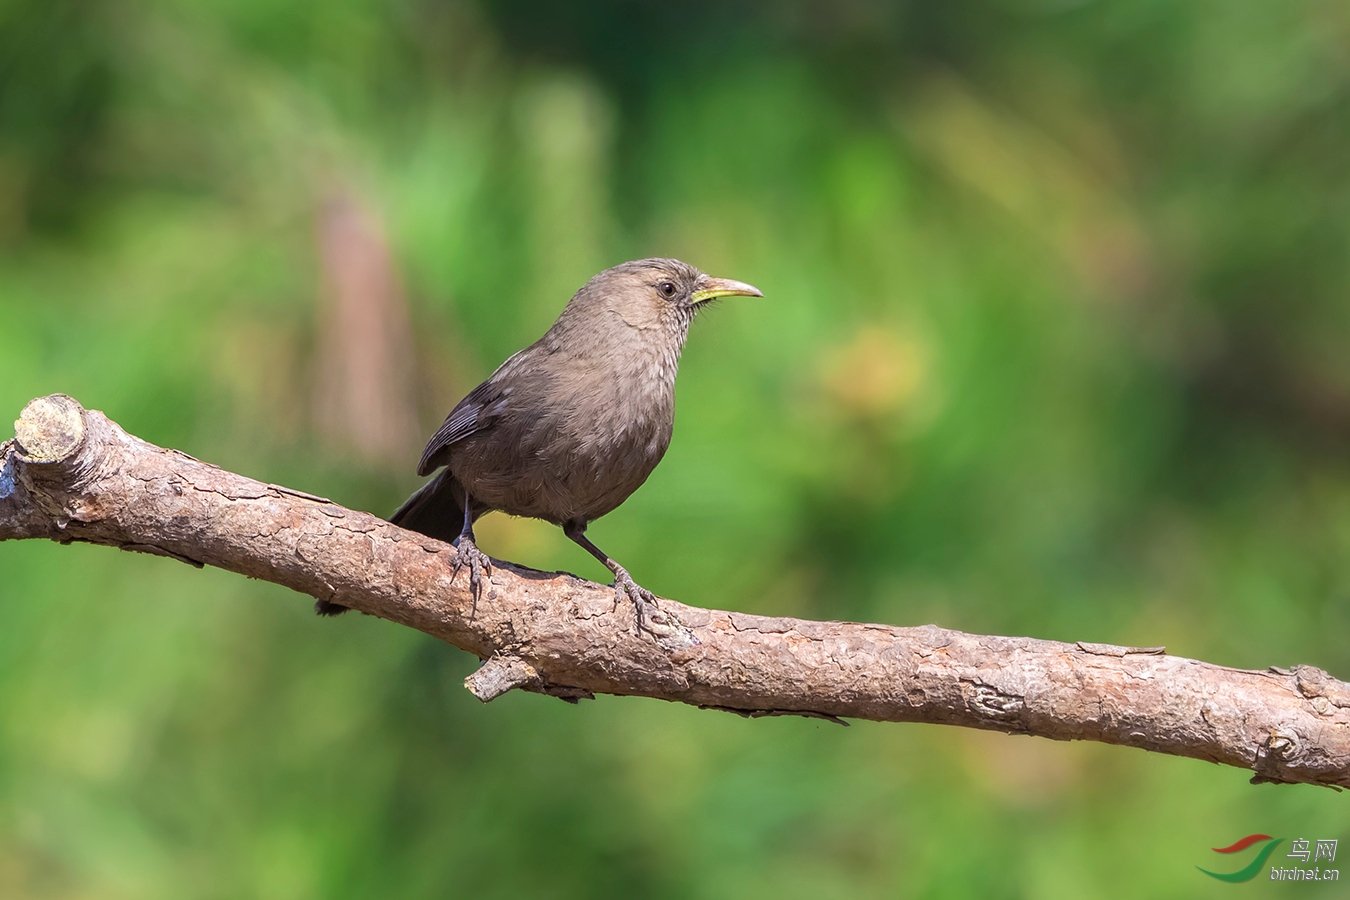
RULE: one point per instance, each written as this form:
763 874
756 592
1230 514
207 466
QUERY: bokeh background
1054 343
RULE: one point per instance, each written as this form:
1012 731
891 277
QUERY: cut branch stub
50 429
498 675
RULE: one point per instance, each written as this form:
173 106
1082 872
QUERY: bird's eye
667 288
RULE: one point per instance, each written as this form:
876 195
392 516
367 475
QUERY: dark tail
436 509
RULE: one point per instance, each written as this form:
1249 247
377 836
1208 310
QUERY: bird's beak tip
724 287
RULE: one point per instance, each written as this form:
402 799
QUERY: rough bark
73 475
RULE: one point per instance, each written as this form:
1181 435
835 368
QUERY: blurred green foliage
1054 343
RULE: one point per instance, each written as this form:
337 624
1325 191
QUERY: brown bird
570 426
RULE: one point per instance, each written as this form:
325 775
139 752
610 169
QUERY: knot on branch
1324 692
989 701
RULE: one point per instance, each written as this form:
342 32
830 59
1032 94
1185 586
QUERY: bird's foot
643 600
648 615
468 556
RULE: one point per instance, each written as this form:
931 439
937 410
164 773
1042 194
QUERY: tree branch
73 475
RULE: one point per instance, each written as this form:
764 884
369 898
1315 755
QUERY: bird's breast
576 441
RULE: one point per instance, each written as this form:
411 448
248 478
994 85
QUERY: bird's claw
468 556
647 614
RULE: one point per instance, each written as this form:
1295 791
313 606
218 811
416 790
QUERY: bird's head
656 293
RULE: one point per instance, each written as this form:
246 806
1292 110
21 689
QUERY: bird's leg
643 600
469 556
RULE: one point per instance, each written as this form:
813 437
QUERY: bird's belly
553 474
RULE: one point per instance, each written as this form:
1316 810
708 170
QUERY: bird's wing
472 414
477 411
